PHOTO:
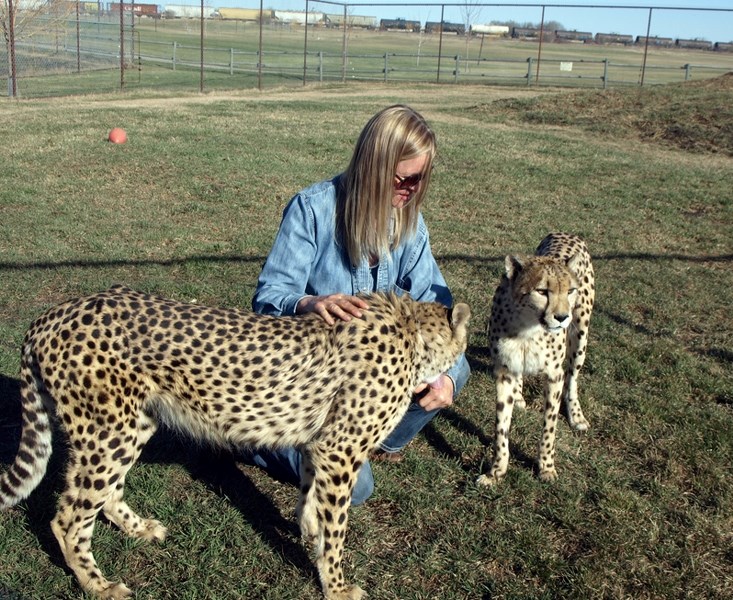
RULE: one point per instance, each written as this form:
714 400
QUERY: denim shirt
307 260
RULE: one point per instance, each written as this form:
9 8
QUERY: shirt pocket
402 287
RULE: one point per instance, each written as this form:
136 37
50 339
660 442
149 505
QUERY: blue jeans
284 464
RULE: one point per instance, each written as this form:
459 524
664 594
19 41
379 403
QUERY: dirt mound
696 116
724 82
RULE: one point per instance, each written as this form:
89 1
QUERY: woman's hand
334 306
438 394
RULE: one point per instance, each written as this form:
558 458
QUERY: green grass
188 208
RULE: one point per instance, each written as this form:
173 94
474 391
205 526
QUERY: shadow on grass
472 468
41 504
216 468
441 259
8 594
219 470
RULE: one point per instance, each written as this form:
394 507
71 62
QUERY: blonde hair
368 224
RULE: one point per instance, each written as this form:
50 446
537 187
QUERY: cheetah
108 368
539 325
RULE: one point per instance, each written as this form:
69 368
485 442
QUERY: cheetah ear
460 315
574 263
513 266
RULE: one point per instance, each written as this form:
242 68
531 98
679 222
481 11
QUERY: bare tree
470 13
22 19
33 16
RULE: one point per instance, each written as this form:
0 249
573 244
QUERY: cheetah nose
562 318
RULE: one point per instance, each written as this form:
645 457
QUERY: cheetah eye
572 291
543 292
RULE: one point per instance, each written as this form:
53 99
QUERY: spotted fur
539 325
111 366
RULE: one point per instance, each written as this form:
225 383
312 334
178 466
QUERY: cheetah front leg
553 394
327 507
577 342
306 513
508 394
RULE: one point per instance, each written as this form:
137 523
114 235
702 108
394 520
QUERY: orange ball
118 136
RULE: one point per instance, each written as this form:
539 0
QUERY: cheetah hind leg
73 527
117 511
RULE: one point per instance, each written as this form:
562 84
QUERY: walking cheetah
111 366
539 325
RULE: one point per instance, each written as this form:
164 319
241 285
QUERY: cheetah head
443 333
545 289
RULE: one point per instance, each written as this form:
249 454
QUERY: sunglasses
408 182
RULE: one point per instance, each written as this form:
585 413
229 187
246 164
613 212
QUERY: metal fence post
458 66
343 49
231 61
440 42
175 45
386 67
320 66
605 73
530 60
688 71
122 45
12 72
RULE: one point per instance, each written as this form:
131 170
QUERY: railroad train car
244 14
613 38
435 27
91 7
573 36
723 46
186 11
399 25
352 21
489 29
525 32
139 10
299 17
693 44
531 33
664 42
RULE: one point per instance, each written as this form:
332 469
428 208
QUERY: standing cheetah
110 367
539 325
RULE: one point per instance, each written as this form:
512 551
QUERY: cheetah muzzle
109 368
539 323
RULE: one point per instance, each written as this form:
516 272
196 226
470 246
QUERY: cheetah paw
153 530
115 591
352 592
488 480
548 475
580 424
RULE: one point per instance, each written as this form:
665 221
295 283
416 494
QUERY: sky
580 15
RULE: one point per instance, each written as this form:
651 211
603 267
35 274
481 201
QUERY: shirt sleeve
419 273
282 282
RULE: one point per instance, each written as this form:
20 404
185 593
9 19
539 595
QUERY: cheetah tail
34 450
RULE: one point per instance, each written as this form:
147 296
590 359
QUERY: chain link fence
62 47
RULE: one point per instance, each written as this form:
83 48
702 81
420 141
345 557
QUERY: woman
362 231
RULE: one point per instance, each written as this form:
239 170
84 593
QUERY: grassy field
166 55
188 208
